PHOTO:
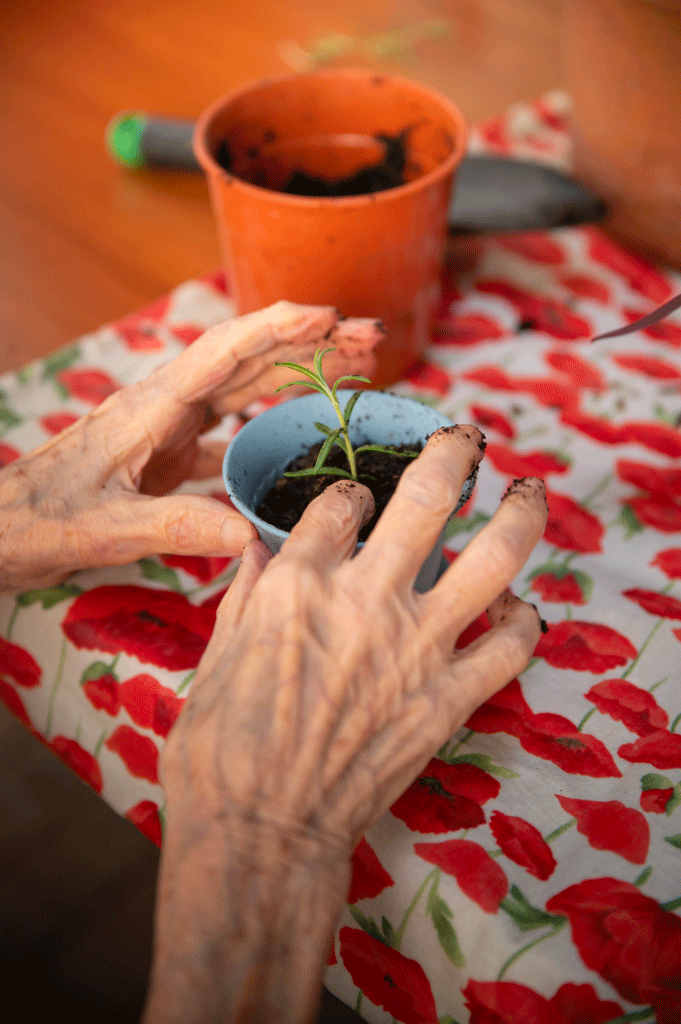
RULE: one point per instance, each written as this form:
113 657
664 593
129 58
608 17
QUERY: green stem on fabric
559 831
55 687
600 486
672 905
637 1015
112 666
651 689
411 908
98 745
643 877
358 1001
586 718
185 682
642 648
12 620
675 723
568 612
465 739
530 945
226 577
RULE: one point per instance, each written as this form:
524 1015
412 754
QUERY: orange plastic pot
375 254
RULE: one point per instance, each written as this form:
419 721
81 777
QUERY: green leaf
302 383
60 361
25 373
326 471
654 781
464 524
298 369
674 800
153 570
643 877
350 405
388 932
485 762
96 670
440 914
9 418
61 390
389 451
627 519
559 572
527 917
351 376
447 1019
367 923
318 356
674 840
326 448
322 427
48 598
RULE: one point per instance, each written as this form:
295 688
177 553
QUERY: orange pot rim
211 166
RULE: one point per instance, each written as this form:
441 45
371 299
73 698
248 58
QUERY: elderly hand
93 495
327 686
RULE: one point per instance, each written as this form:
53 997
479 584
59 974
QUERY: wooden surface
83 241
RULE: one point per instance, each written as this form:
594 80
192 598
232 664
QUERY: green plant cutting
340 435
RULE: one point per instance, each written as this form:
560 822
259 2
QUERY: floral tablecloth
532 874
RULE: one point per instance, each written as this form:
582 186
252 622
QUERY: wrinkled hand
329 682
93 495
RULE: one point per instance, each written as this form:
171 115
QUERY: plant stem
675 723
346 436
558 831
672 905
358 1002
643 647
637 1015
411 908
465 739
185 682
55 687
586 718
12 620
601 485
535 942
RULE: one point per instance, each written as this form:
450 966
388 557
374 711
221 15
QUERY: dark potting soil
388 173
285 502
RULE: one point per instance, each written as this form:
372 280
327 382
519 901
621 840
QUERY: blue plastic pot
261 450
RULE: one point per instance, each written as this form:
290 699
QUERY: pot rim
249 513
212 167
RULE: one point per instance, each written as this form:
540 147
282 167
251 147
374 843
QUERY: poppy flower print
662 605
610 825
652 510
91 386
388 978
539 312
508 1002
8 454
636 708
57 421
466 329
519 464
628 939
140 330
659 369
146 817
665 331
139 753
369 877
656 792
669 561
560 587
477 874
664 481
103 693
586 287
556 739
79 760
492 419
534 245
19 665
581 372
640 275
662 749
446 797
13 702
203 568
506 711
584 646
571 527
524 844
431 378
158 627
150 704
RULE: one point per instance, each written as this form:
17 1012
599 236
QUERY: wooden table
84 241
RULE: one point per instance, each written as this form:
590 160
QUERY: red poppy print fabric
532 871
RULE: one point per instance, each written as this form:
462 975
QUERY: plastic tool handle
491 193
141 140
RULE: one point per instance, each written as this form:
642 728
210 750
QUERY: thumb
189 524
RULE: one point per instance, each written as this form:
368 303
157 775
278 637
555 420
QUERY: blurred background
83 242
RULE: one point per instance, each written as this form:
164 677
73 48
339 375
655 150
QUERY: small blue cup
259 453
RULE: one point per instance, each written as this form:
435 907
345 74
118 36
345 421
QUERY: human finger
183 524
326 534
425 497
489 562
255 557
493 659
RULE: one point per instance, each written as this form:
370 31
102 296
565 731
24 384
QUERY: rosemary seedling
340 435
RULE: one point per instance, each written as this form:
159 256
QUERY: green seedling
340 436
